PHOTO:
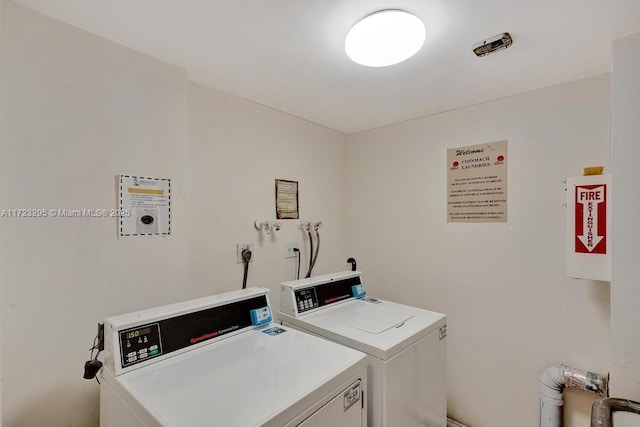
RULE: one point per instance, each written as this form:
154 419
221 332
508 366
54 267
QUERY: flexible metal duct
603 409
552 384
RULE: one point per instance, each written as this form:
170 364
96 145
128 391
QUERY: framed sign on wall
287 199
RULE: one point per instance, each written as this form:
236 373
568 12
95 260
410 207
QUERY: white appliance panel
376 410
340 410
414 394
405 346
114 411
268 376
270 372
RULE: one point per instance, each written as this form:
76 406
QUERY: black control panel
168 335
140 344
306 299
325 293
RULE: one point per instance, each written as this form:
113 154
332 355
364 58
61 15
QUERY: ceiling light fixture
385 38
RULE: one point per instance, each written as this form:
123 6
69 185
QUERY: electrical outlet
239 248
289 252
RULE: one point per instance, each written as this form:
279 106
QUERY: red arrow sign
591 219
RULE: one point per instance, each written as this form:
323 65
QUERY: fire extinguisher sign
591 219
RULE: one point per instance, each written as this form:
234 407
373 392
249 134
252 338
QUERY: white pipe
552 384
551 400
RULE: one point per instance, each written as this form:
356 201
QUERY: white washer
406 346
221 361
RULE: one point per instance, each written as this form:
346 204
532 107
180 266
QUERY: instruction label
149 201
477 183
275 330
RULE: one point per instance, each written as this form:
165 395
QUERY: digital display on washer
144 342
325 293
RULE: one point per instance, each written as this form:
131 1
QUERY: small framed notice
149 201
287 199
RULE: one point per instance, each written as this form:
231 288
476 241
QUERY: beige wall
78 110
625 292
81 110
511 310
236 151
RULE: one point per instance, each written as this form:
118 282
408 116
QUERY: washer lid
372 318
376 327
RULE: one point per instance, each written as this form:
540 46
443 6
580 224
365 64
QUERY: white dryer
221 361
406 346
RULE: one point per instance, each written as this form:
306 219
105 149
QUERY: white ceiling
289 54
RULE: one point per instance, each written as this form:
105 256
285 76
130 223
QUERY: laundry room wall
76 111
236 151
511 310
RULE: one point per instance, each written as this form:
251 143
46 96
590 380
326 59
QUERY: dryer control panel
140 343
136 339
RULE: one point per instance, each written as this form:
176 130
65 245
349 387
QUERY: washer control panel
306 299
327 293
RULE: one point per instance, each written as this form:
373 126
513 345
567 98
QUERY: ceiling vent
493 44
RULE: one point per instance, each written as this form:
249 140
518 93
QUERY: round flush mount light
385 38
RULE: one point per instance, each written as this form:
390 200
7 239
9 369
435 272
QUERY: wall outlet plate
288 250
239 248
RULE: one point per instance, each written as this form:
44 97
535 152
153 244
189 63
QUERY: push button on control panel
306 300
